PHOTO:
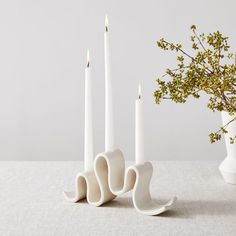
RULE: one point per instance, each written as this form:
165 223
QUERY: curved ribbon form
110 179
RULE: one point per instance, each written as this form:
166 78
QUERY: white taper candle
139 129
109 116
88 119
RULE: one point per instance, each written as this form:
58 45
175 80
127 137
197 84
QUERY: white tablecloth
31 202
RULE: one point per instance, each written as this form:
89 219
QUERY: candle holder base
110 179
88 186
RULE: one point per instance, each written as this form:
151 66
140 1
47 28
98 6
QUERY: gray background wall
42 58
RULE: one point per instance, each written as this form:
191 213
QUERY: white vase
228 166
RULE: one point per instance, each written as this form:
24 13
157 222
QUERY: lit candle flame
106 23
88 58
139 91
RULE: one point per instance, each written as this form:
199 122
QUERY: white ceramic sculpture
228 166
110 179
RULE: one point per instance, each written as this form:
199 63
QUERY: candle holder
110 179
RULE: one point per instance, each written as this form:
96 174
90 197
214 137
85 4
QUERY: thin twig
176 69
199 40
220 130
186 54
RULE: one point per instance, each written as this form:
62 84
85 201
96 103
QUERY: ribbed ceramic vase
228 166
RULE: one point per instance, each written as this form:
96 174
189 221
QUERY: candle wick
88 64
106 28
139 96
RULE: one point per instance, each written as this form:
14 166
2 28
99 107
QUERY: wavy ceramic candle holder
110 179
